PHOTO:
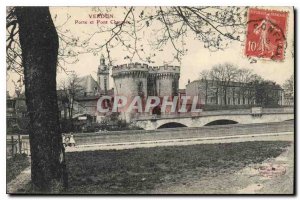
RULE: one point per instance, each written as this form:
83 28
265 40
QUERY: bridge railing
147 116
279 110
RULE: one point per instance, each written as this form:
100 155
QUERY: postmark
266 34
272 170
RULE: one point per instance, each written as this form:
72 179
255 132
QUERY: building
89 91
211 92
137 79
86 106
143 80
16 115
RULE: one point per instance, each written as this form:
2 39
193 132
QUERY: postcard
150 100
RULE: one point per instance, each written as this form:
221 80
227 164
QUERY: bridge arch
221 122
171 125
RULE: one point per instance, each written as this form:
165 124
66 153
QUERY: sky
197 58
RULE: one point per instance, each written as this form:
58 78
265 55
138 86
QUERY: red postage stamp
266 34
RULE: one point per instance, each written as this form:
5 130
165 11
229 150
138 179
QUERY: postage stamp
266 34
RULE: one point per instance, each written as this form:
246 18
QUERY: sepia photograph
143 100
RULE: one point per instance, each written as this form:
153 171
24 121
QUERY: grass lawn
141 170
15 165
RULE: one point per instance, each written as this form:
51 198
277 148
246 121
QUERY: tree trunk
225 95
206 91
39 44
217 96
72 107
233 96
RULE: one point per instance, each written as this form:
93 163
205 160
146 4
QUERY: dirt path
185 141
280 183
273 176
19 182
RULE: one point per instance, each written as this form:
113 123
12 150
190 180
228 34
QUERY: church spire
103 75
102 60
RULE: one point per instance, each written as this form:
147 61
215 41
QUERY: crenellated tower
130 79
137 79
166 80
140 79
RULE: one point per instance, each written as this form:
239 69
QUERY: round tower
167 80
130 80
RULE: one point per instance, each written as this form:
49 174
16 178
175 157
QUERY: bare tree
244 78
205 76
69 45
289 89
224 75
289 85
72 88
38 41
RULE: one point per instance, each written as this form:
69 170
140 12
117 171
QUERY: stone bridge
206 118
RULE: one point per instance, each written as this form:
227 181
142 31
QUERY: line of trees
241 84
